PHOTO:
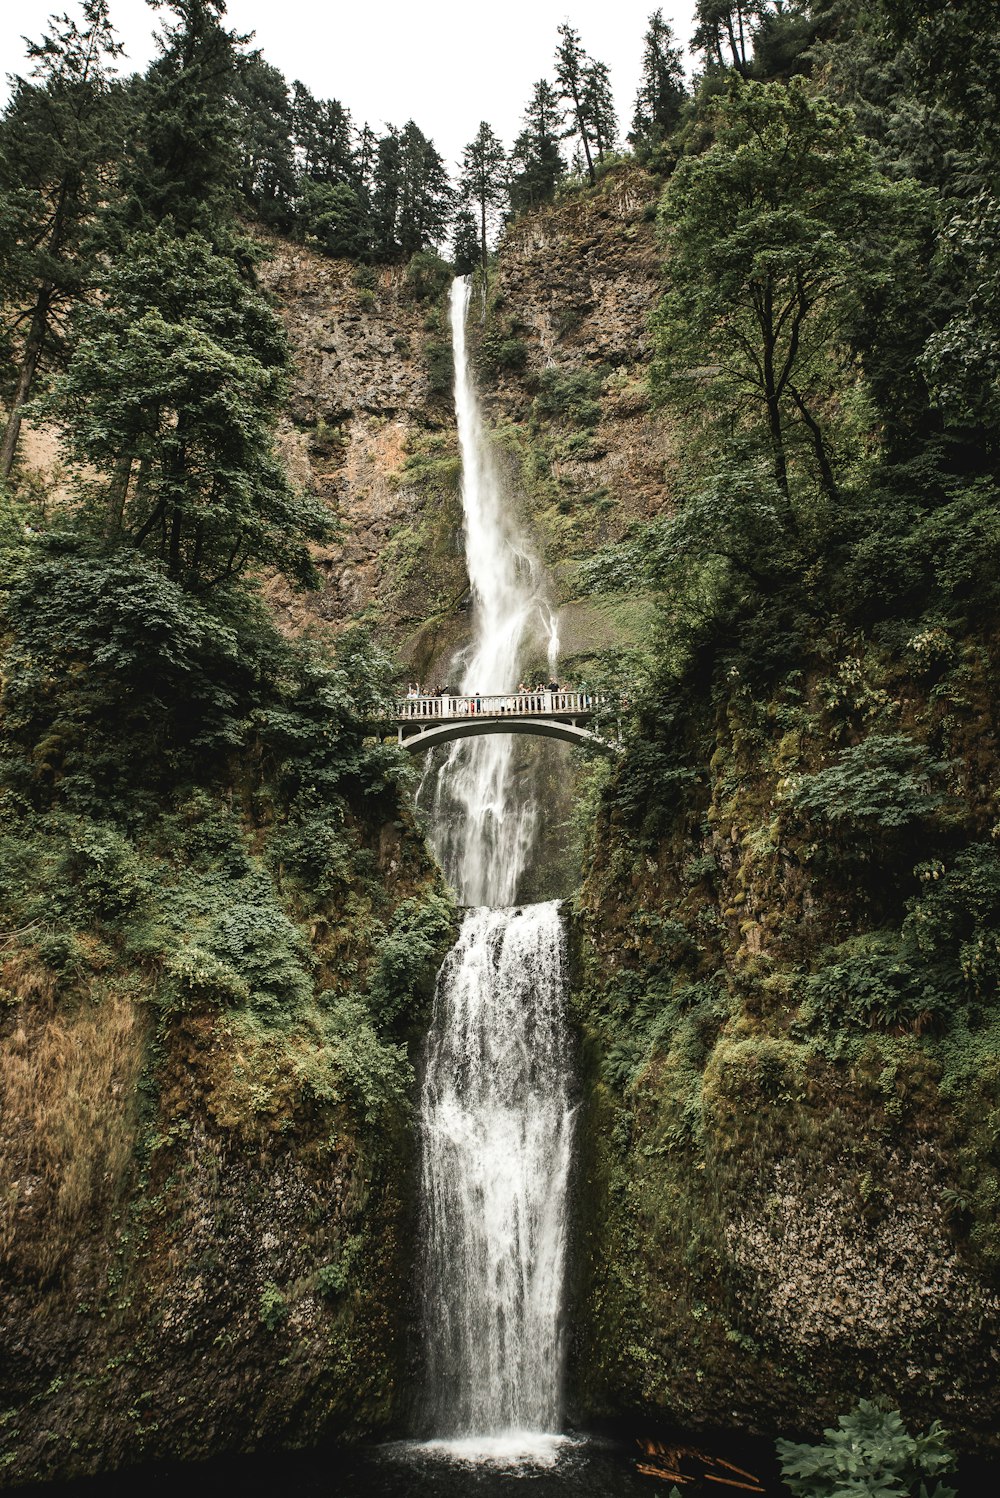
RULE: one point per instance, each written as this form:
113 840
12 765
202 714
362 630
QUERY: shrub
440 364
427 276
883 782
869 1454
272 1307
569 395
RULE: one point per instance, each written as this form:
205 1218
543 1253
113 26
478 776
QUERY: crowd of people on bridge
526 699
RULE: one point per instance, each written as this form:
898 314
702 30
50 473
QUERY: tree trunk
819 446
26 378
117 496
771 397
582 128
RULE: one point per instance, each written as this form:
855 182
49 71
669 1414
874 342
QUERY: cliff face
206 1220
563 347
787 1189
370 430
790 1187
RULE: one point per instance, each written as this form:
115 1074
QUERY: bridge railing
497 705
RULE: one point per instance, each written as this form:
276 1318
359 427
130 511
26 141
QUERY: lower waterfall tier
497 1125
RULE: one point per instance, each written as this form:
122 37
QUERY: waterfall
483 829
496 1115
498 1125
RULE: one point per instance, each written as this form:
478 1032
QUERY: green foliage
182 154
870 1454
498 353
330 213
440 362
536 161
377 1073
172 394
771 234
569 395
408 956
427 276
884 783
333 1279
272 1307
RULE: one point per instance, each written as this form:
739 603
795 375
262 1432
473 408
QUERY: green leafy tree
172 396
659 102
335 217
483 181
56 140
536 161
771 235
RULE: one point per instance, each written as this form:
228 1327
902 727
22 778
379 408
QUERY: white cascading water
498 1123
496 1112
483 830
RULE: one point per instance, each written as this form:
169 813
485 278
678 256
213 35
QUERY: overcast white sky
447 64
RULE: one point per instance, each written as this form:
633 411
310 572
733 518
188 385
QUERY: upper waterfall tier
482 822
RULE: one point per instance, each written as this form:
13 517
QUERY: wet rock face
575 285
231 1278
363 409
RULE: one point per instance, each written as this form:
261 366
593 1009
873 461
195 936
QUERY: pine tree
660 100
536 160
465 242
599 104
56 140
425 196
184 163
571 68
483 181
324 137
724 31
386 185
267 174
173 394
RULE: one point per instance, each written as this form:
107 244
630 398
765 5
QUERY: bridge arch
470 728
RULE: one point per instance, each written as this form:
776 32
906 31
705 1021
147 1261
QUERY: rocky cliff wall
370 430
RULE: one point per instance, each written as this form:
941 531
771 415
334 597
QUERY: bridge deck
573 707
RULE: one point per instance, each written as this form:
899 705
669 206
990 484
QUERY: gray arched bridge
424 722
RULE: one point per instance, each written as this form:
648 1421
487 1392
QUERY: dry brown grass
67 1109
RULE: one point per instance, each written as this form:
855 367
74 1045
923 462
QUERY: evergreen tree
483 181
465 242
364 157
599 104
267 174
724 32
56 139
172 395
184 163
324 138
659 102
536 161
425 195
386 185
571 68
